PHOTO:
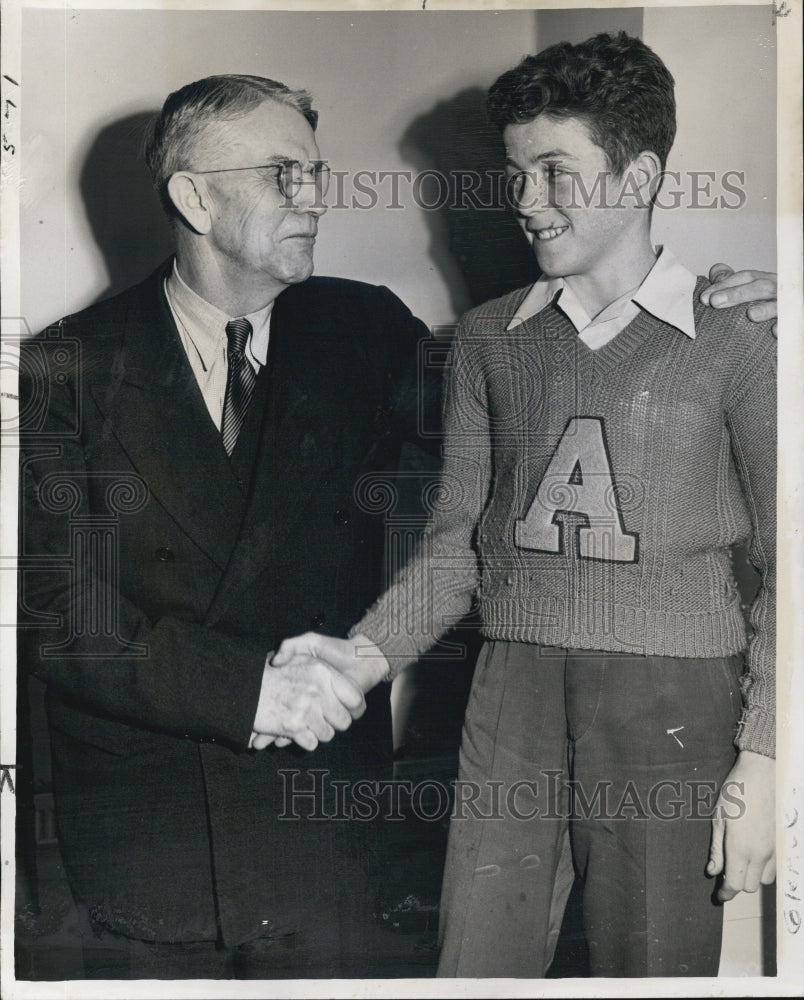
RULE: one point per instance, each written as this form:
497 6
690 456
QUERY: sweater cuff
756 731
399 650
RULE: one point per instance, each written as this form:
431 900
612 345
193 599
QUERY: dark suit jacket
156 575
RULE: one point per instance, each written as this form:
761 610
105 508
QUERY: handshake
313 686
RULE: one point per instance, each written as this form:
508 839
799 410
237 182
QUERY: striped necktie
239 382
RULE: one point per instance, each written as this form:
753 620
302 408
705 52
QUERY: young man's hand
358 658
349 669
305 702
744 827
731 288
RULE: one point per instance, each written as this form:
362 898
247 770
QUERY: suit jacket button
318 621
341 517
165 555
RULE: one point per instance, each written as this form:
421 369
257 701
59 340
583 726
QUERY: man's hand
304 702
730 288
358 658
744 827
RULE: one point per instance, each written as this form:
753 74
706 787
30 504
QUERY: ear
647 169
191 198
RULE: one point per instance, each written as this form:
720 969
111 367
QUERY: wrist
264 699
374 665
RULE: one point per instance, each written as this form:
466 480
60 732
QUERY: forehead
268 130
547 136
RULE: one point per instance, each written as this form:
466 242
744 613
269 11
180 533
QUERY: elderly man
221 427
189 501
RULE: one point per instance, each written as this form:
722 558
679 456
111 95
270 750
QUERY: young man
609 437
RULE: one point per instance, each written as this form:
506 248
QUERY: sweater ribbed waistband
616 628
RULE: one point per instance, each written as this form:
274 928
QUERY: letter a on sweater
579 480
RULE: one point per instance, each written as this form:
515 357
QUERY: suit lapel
286 473
155 409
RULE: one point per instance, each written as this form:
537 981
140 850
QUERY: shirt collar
666 292
206 324
260 326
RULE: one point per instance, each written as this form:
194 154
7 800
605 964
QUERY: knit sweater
589 499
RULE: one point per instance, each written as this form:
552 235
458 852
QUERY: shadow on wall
474 240
127 220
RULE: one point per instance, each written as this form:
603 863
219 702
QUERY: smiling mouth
549 234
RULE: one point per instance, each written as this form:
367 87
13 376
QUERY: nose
309 200
528 192
310 206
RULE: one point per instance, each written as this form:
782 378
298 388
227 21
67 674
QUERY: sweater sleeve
434 590
751 420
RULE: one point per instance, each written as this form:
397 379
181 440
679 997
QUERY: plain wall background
396 91
724 63
372 76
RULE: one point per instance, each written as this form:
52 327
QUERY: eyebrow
278 159
552 154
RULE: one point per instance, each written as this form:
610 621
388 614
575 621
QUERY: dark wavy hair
188 113
614 83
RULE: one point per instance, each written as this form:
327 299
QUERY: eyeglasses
289 176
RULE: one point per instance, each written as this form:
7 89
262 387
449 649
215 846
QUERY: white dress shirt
666 292
202 329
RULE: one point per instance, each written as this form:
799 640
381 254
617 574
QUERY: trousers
596 764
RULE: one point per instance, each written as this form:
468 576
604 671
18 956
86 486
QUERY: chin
301 272
557 265
551 268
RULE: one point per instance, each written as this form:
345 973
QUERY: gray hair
191 110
